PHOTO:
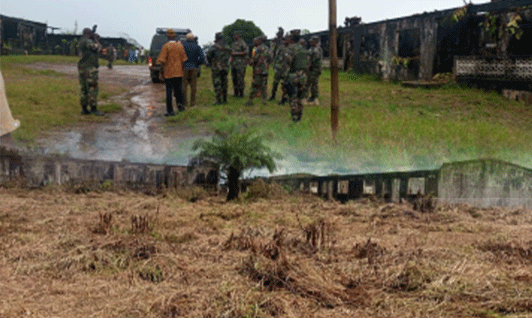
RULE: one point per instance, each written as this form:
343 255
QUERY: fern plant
235 151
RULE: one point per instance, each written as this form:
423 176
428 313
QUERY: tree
248 30
235 151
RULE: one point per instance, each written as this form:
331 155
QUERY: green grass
45 99
382 125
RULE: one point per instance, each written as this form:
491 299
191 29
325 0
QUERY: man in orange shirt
171 58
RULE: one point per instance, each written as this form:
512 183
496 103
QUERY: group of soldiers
295 67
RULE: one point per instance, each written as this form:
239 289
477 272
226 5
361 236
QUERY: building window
370 47
409 43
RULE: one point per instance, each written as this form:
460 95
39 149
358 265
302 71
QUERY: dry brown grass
127 254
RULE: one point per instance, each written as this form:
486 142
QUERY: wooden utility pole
333 57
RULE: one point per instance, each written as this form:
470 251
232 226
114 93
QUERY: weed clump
410 278
369 250
511 252
271 266
192 194
144 252
151 273
424 204
105 225
260 189
142 224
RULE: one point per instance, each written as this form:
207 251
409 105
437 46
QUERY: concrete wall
482 183
485 183
40 171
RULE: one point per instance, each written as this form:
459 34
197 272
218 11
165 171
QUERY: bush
262 189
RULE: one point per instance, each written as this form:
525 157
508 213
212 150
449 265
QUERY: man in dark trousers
191 67
171 58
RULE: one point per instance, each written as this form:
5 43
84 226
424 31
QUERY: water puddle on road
136 135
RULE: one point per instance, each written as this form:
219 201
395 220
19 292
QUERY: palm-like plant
235 152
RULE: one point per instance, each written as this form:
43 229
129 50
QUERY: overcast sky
139 19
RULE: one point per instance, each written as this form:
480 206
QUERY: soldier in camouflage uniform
277 52
298 59
260 61
279 65
218 58
314 72
285 68
89 46
111 56
239 62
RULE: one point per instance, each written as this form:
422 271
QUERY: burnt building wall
22 36
419 46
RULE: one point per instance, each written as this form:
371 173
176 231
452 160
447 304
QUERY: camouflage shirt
239 61
280 59
89 54
298 58
219 56
261 60
316 56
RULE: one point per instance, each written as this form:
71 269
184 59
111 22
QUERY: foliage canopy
234 148
248 31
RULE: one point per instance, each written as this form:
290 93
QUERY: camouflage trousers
88 80
238 74
277 78
219 82
312 85
259 85
110 62
296 84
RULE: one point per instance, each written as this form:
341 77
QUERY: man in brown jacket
171 58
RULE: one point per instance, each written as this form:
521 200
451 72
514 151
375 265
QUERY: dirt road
137 134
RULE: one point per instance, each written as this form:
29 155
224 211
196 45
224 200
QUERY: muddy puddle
137 134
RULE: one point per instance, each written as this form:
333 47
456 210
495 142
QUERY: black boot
283 101
274 91
96 112
85 110
224 100
218 101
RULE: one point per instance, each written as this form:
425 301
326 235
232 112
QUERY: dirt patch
122 75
